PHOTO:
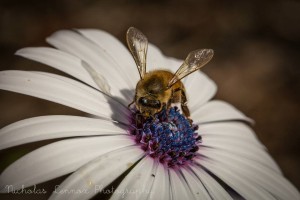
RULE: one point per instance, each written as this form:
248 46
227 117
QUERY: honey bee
160 89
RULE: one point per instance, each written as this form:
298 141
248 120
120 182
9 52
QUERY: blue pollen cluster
168 136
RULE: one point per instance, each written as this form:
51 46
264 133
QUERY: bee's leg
130 104
166 105
139 120
184 106
180 97
133 101
176 98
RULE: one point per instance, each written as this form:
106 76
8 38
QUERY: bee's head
151 94
148 107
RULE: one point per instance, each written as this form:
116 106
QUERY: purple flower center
168 136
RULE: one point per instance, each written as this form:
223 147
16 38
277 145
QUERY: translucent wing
194 61
98 78
138 45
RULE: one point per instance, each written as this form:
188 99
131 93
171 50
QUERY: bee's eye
143 101
149 103
155 104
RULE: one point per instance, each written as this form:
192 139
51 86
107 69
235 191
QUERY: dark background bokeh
256 63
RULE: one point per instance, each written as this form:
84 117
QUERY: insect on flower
158 89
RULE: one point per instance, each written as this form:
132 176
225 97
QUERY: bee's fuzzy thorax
154 82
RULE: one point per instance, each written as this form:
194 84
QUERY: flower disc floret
168 136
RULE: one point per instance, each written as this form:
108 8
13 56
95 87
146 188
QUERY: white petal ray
215 190
56 126
255 172
208 140
137 183
228 129
248 151
117 109
196 186
156 60
161 185
238 139
97 174
116 51
199 89
96 57
58 159
179 188
217 110
173 64
237 181
59 60
64 91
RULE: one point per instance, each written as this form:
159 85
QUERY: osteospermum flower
216 157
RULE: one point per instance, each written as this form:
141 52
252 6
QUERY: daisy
217 157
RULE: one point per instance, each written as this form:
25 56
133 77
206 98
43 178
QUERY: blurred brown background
256 63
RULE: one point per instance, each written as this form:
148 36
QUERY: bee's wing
138 45
194 61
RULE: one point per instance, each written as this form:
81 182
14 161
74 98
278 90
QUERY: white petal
235 180
97 58
197 188
212 139
257 173
97 174
56 126
215 190
240 149
216 110
228 129
156 60
199 89
173 64
179 188
59 60
64 91
237 139
116 51
137 183
161 184
58 159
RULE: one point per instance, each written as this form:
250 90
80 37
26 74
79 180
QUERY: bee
159 89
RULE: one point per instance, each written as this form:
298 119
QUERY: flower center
168 136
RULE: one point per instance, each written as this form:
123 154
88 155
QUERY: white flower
101 147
